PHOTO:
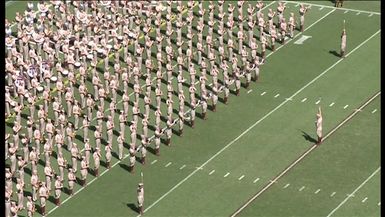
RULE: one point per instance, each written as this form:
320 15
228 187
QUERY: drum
90 56
39 88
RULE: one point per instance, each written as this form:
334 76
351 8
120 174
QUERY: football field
256 156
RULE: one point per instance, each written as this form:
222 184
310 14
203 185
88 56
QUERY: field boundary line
358 188
326 6
256 123
302 156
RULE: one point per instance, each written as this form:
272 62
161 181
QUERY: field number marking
302 39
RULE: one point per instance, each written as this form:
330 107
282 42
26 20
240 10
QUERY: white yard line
325 6
355 190
212 171
226 174
331 104
256 180
252 126
241 177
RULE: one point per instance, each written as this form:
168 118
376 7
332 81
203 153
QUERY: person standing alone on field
343 43
140 191
318 124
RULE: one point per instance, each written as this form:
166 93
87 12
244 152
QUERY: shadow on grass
335 53
133 207
308 137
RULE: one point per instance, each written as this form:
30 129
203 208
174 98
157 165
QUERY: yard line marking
303 187
169 163
355 190
182 167
364 199
346 12
256 123
346 106
363 43
289 99
343 9
154 161
318 102
249 91
287 185
370 15
226 174
316 192
212 171
241 177
256 180
331 104
333 194
276 96
358 13
304 99
374 111
263 93
321 8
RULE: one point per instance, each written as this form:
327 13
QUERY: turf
278 138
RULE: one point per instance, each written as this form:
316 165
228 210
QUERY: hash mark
317 102
287 185
182 167
249 91
370 15
154 161
374 111
303 187
212 172
276 96
331 104
346 11
346 106
316 192
358 13
364 199
256 180
226 175
321 8
332 194
169 163
304 99
241 177
263 93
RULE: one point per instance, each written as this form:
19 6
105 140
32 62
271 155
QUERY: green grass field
255 145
